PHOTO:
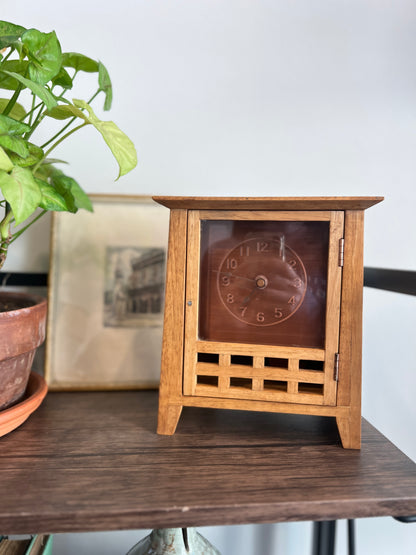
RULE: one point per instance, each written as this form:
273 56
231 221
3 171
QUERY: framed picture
106 294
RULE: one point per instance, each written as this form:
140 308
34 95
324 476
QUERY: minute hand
229 274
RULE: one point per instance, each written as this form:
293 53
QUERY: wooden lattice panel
297 375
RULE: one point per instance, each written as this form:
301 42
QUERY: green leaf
105 85
63 185
5 163
35 154
43 93
79 62
82 200
65 111
21 191
75 197
63 79
14 144
120 145
44 53
12 126
10 131
9 33
51 199
14 66
49 161
17 112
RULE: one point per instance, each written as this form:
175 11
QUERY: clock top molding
267 203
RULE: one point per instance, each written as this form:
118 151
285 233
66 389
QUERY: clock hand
261 283
229 274
247 299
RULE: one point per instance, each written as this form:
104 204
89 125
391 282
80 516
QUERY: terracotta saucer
12 417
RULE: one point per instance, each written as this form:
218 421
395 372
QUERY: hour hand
261 282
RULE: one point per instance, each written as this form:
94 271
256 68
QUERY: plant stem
5 236
57 143
65 127
5 223
30 114
7 56
33 108
37 121
18 233
94 95
13 100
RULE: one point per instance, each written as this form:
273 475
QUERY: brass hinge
341 253
336 367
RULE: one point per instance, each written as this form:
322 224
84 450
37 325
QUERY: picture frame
106 295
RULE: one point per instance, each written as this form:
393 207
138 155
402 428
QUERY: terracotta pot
22 330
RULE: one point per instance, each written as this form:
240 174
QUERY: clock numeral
230 298
225 281
262 246
244 250
243 310
231 264
292 300
297 283
292 263
260 317
278 313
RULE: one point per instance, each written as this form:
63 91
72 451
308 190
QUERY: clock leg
168 418
350 431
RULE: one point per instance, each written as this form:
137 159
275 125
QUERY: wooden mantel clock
263 307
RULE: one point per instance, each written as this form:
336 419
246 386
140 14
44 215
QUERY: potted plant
37 78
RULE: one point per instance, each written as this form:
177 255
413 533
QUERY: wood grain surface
93 461
268 203
172 345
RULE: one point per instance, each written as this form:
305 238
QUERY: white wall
263 97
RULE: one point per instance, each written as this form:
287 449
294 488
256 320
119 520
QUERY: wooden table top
92 462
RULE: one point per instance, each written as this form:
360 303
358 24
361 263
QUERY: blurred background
266 98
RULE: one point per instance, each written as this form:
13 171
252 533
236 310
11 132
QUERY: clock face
263 282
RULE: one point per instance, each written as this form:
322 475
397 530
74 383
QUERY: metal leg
324 537
351 537
406 519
